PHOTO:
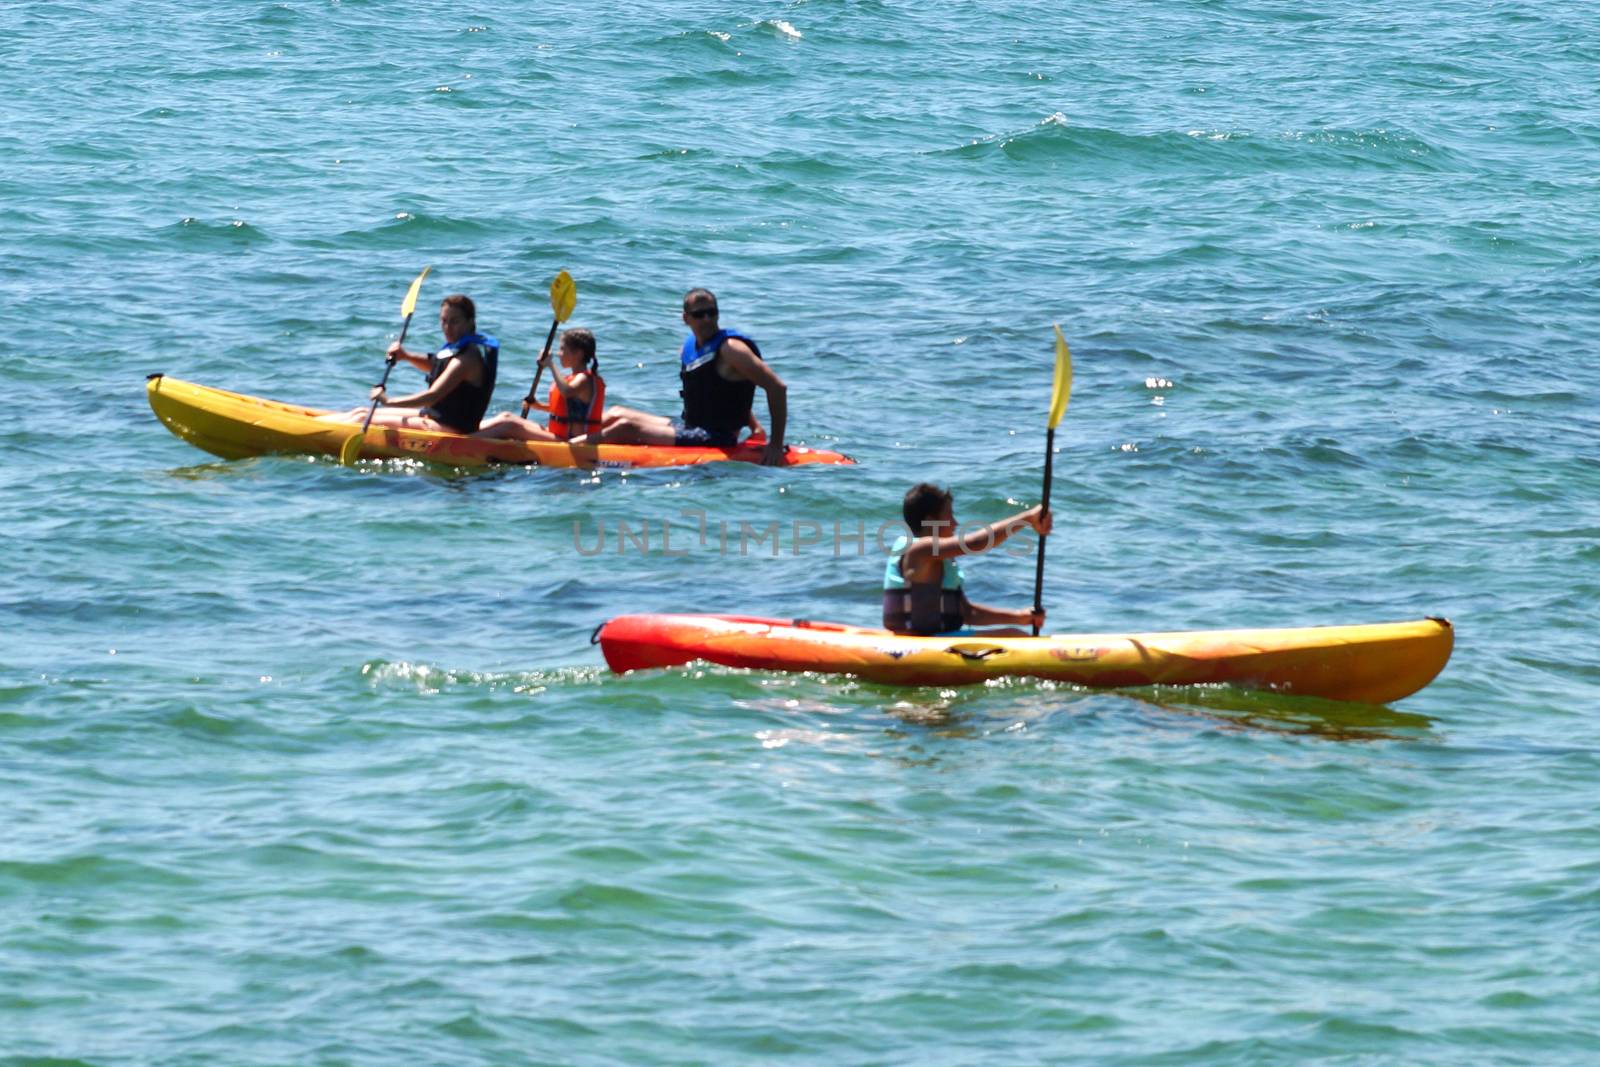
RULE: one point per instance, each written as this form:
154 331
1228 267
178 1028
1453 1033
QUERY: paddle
1058 407
350 451
563 298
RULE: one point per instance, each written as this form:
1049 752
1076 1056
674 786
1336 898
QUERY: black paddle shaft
533 390
1044 505
387 367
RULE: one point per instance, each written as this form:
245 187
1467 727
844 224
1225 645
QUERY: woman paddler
460 378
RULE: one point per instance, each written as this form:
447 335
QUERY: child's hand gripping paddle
563 298
1058 407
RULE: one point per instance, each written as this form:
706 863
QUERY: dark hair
462 303
693 293
583 340
924 501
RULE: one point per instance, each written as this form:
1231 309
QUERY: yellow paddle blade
563 296
1063 387
350 451
410 303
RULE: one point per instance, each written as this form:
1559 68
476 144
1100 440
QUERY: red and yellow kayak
236 426
1375 663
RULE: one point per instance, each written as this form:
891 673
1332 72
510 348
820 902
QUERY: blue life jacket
710 401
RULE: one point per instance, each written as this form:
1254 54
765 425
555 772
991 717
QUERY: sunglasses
702 313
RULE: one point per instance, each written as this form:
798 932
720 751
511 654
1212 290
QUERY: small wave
807 168
426 678
782 738
1384 147
469 1027
277 15
406 229
1055 138
612 855
698 42
593 229
675 155
94 871
782 28
85 151
700 79
455 96
617 899
191 720
190 229
1326 452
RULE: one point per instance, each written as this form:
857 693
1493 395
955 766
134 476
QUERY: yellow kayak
236 426
1373 663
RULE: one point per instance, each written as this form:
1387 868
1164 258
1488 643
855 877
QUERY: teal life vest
924 608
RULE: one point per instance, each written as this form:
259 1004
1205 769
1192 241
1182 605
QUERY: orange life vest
582 420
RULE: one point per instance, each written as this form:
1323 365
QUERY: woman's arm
459 370
417 360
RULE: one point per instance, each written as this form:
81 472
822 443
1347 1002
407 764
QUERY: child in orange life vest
576 399
922 582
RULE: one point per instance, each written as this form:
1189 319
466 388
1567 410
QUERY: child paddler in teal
460 378
720 371
576 398
922 582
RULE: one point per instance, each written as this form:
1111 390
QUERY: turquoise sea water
302 764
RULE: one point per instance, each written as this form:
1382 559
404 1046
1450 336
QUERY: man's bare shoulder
737 346
738 358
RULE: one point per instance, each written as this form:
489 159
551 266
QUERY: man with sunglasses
720 370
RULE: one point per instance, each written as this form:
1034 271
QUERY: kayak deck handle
974 653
